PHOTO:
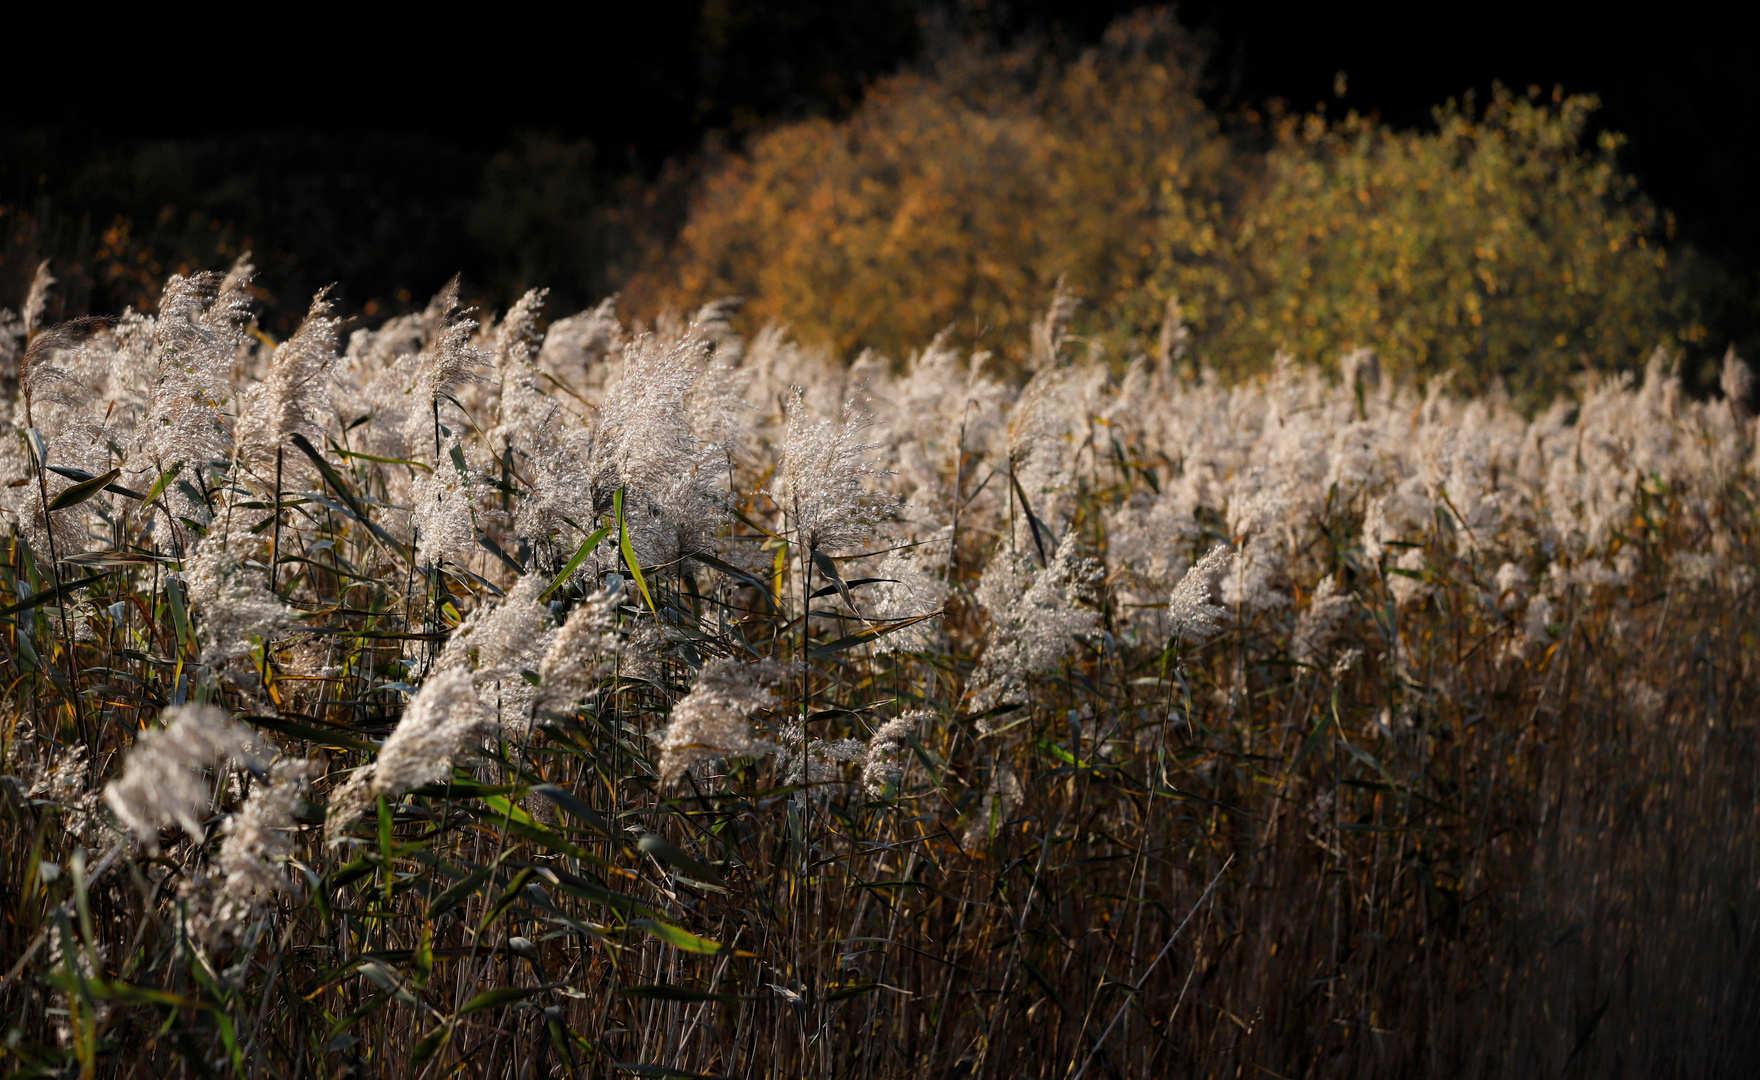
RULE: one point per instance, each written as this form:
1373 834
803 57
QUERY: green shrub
1492 246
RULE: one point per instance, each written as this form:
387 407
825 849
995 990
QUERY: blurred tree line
873 174
1493 245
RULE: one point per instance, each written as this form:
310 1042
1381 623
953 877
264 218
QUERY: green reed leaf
683 940
629 552
574 562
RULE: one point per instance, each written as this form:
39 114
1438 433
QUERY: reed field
534 694
1130 591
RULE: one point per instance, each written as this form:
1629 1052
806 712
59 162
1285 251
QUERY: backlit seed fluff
162 781
1194 615
884 759
451 359
714 719
443 723
583 650
232 607
829 479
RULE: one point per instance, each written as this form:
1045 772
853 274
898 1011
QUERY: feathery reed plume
445 501
1195 617
442 724
644 442
525 409
1052 329
535 426
813 762
36 301
11 341
233 300
1039 462
256 840
1736 381
826 477
231 609
503 638
195 337
61 405
500 645
713 719
1319 623
584 650
248 871
908 588
1247 583
294 396
450 359
1036 618
883 762
1510 586
1405 580
1003 795
1175 338
161 784
576 347
43 381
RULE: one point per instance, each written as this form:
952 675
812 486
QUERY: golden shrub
963 196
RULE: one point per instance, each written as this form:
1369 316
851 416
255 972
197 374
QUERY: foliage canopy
1495 245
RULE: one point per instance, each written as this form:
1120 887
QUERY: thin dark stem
275 542
54 565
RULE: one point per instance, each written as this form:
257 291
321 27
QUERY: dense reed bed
559 698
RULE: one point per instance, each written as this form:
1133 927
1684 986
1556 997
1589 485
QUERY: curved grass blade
566 800
507 898
844 587
82 476
51 593
629 552
683 940
430 1045
870 634
732 571
506 995
1032 519
81 491
829 570
575 561
340 486
164 481
489 545
667 852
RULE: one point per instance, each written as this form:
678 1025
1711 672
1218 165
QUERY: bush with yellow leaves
1493 247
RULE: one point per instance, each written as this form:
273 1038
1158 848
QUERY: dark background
560 149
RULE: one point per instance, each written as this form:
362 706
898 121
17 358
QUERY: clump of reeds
494 701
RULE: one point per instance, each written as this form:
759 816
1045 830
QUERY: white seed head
826 477
1195 617
883 761
443 723
713 720
161 782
